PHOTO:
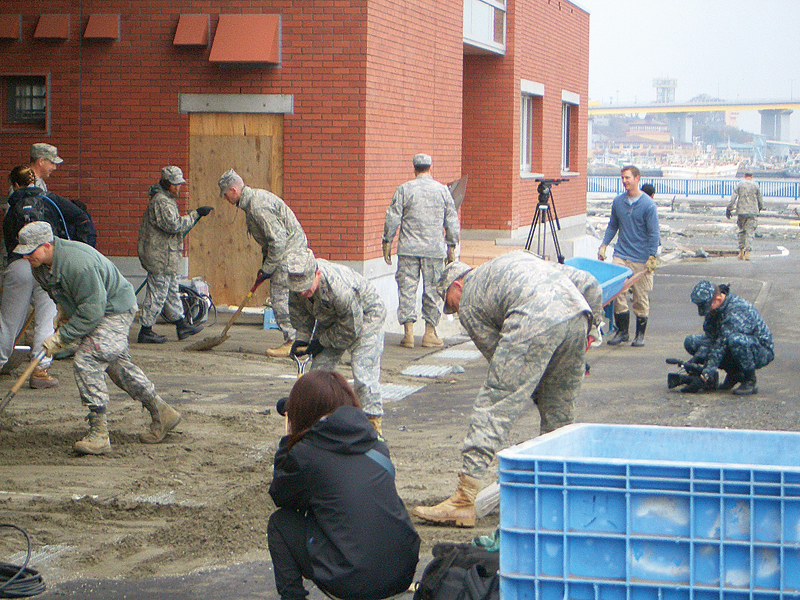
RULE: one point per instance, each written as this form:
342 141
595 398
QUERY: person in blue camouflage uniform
160 249
276 229
735 338
746 202
334 309
531 321
424 211
98 306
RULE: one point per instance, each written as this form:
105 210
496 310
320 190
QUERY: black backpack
460 572
32 208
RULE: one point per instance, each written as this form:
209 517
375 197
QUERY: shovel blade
206 344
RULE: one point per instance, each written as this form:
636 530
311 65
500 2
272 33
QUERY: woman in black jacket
340 521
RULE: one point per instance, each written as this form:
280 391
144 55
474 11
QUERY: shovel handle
22 379
241 306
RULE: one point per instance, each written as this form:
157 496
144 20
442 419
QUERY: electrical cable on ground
19 582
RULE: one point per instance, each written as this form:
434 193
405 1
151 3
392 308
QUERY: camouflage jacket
735 315
273 226
424 211
746 199
592 292
161 233
345 307
516 290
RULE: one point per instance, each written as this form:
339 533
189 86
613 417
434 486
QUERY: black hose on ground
19 582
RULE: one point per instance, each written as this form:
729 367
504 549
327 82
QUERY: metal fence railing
772 188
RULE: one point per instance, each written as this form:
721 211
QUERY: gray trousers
19 288
161 293
747 230
279 291
548 368
409 269
365 359
105 350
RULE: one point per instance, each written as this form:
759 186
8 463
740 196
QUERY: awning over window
10 27
192 30
102 27
52 26
247 39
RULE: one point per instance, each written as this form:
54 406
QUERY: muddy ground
200 499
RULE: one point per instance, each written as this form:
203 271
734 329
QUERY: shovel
18 353
212 342
22 379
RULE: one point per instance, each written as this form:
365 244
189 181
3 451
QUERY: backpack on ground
460 572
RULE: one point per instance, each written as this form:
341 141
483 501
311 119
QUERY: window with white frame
530 126
569 108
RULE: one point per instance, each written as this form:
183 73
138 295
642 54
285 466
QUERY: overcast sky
731 49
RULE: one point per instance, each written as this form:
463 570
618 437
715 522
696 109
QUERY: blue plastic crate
269 319
616 512
610 276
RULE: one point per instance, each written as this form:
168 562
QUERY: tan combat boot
165 418
458 509
281 351
408 340
97 441
741 254
747 254
430 339
41 379
377 423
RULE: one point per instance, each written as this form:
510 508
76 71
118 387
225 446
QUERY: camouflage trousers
548 369
640 289
279 292
409 269
747 231
365 359
742 352
105 350
161 293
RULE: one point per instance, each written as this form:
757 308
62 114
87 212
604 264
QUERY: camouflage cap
228 178
46 151
421 161
451 272
702 294
302 267
32 236
173 175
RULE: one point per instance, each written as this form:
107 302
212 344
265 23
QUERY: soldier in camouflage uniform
746 202
161 252
276 229
424 211
349 315
97 308
735 338
531 322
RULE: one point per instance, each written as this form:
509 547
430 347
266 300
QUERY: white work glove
651 263
53 344
387 253
601 252
451 254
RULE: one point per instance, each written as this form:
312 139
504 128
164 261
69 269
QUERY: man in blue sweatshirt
634 216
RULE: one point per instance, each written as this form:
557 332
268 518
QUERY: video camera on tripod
691 377
543 216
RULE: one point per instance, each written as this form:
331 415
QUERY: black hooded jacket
360 538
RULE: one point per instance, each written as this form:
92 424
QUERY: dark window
26 102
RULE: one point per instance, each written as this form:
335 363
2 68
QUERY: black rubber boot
148 336
185 329
748 385
622 321
732 377
641 327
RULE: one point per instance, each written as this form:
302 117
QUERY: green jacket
86 285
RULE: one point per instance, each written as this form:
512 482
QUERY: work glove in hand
314 348
60 317
651 263
299 348
261 276
601 252
387 252
53 344
204 210
451 254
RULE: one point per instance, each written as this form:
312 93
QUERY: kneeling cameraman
735 338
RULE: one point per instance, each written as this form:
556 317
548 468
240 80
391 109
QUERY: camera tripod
545 215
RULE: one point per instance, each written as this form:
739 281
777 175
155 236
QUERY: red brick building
322 101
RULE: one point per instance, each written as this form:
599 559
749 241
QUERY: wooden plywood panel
219 248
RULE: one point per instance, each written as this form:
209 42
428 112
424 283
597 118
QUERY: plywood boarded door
219 248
